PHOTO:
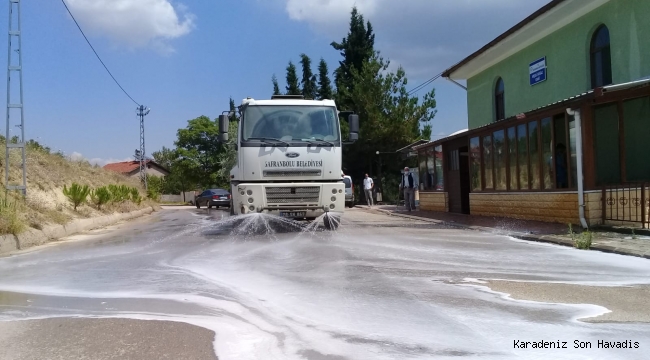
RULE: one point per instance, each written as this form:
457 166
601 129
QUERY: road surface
196 284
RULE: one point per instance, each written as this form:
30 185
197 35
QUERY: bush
77 194
119 193
100 196
10 221
135 196
582 241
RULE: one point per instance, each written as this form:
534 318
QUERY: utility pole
15 64
142 111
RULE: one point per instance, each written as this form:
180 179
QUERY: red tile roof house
132 168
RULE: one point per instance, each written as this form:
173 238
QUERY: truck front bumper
292 200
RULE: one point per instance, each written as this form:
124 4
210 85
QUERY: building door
457 184
464 179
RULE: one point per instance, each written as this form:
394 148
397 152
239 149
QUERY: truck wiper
269 139
321 141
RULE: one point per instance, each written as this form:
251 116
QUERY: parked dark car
213 197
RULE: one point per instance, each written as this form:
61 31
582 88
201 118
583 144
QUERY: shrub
119 193
584 240
135 196
100 196
10 221
77 194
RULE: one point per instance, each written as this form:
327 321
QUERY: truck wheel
331 222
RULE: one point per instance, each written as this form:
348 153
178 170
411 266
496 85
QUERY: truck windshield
291 123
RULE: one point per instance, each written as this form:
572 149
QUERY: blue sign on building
537 70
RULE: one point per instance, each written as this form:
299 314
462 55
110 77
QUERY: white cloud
134 23
77 156
327 11
424 36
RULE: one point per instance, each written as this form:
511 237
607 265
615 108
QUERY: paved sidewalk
526 230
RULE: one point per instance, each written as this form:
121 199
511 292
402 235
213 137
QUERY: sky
184 59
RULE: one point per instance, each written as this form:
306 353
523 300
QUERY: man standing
409 185
368 185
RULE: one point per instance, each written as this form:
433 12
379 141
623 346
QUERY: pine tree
357 48
324 83
308 78
292 80
276 87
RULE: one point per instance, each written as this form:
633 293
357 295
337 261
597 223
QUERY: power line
424 84
100 60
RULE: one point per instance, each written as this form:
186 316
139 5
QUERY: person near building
368 185
408 185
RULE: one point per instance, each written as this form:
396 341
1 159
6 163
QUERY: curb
537 238
34 237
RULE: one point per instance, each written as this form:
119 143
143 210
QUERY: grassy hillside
45 203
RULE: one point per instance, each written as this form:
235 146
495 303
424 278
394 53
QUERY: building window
475 164
439 173
422 162
500 181
454 161
601 59
512 159
431 169
499 100
488 156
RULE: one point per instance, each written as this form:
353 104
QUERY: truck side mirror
353 120
223 128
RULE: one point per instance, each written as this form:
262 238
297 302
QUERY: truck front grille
291 195
280 173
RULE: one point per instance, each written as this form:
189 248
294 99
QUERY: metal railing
626 203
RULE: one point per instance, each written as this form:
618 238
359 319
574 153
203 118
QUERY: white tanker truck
289 158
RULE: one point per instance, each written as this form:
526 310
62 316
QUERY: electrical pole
142 111
15 64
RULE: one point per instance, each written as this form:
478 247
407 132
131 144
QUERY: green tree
198 147
427 129
356 49
77 194
276 87
324 83
308 78
175 181
292 80
100 196
389 117
228 157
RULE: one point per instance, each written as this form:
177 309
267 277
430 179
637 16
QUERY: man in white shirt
368 185
409 185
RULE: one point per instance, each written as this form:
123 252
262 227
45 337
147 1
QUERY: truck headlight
333 198
250 200
249 192
333 191
331 206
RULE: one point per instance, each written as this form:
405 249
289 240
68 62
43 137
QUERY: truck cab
289 157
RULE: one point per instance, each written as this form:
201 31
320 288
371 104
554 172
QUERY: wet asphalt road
258 288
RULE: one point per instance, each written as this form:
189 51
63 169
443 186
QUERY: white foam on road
359 293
